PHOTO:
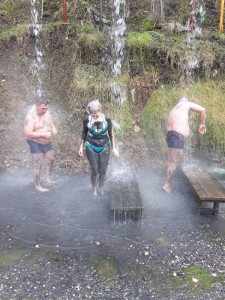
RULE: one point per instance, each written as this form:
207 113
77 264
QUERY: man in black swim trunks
178 130
39 129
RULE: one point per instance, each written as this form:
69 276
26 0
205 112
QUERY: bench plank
207 188
124 197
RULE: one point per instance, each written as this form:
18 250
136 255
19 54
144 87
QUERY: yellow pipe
221 15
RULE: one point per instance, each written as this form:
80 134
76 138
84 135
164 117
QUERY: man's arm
202 111
54 130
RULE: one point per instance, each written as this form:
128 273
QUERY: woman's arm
83 136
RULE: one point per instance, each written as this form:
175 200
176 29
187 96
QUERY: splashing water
196 19
121 170
37 64
117 37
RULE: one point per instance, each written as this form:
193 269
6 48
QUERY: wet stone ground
64 244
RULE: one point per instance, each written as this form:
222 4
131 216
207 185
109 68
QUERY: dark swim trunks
39 148
175 140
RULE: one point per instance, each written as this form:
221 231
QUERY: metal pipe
65 16
101 22
221 15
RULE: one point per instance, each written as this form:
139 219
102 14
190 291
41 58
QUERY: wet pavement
64 244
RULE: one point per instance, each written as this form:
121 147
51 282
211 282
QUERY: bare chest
42 122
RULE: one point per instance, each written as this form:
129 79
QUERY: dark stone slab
124 195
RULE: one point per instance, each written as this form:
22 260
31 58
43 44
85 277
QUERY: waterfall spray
196 18
193 27
37 64
117 37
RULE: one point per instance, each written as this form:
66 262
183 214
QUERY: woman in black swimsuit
98 137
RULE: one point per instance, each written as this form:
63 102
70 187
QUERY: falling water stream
121 173
194 29
117 38
38 55
157 10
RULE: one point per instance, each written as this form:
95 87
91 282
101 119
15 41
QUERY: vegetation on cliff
78 68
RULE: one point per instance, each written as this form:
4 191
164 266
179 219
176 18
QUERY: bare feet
49 182
94 191
101 192
41 189
167 188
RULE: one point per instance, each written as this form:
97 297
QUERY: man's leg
93 161
49 161
173 161
103 164
37 164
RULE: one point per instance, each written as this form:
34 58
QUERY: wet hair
42 101
183 98
94 106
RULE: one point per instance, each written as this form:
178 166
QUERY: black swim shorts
175 140
39 148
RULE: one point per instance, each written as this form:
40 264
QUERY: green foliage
14 31
219 35
146 24
86 33
13 10
209 94
154 119
124 117
139 40
52 5
85 27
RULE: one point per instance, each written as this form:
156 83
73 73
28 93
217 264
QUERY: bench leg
215 208
199 207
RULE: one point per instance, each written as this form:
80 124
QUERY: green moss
11 258
106 267
196 277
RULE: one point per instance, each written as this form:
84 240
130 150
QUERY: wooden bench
125 198
207 187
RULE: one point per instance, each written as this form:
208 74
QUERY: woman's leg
103 164
93 161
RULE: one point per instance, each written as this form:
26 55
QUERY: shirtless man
178 130
38 130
